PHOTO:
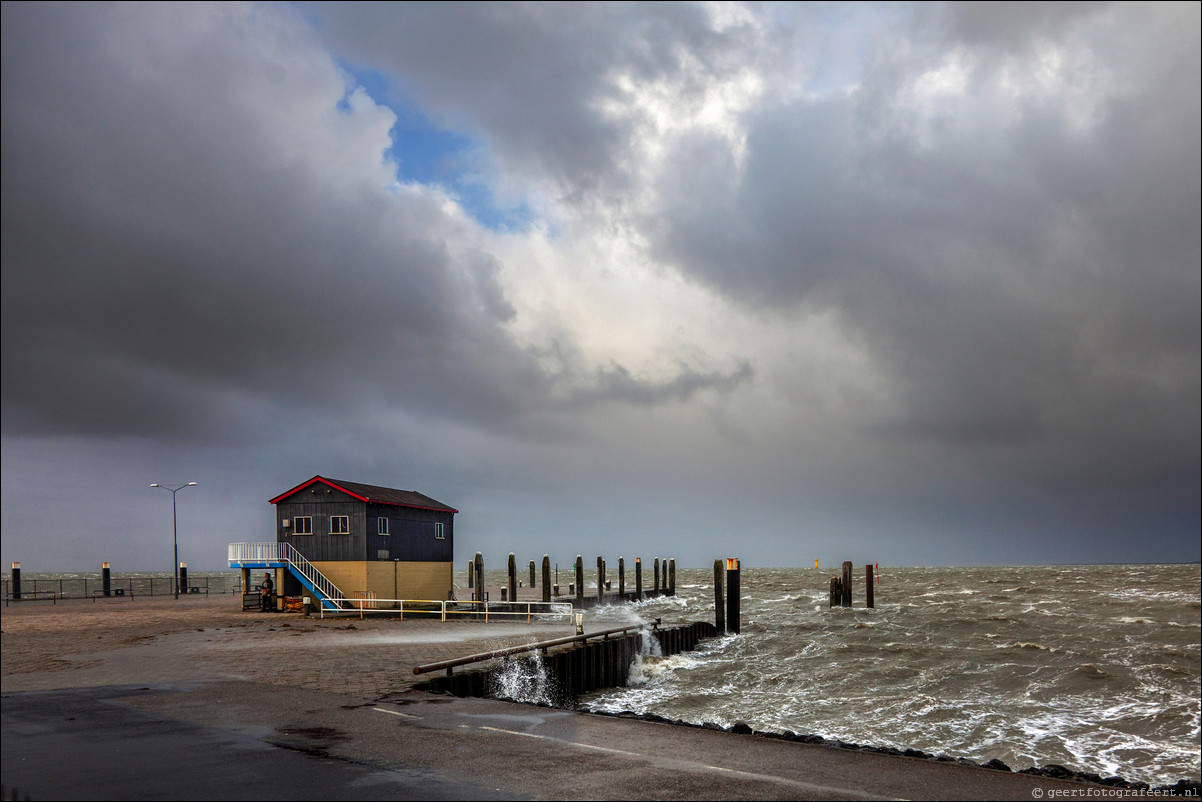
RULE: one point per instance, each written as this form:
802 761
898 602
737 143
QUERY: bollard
532 573
732 595
106 579
600 579
672 577
657 576
17 581
846 584
638 578
183 579
513 578
622 578
547 579
579 581
478 567
719 601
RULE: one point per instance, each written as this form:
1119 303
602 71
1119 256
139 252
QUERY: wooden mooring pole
868 585
471 576
846 600
546 578
532 574
638 578
836 592
479 569
622 578
732 595
600 579
672 577
656 576
719 599
513 578
579 581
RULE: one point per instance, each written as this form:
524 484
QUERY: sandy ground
80 643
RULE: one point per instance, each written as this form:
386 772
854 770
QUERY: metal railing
530 610
287 553
86 587
529 647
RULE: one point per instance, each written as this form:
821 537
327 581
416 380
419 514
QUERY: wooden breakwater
583 664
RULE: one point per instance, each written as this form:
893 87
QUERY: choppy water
1092 667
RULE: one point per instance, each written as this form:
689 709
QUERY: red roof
373 494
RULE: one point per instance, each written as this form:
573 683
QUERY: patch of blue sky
427 153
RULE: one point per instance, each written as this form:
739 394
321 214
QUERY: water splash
524 680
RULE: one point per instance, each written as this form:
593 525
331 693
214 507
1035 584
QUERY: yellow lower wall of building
390 580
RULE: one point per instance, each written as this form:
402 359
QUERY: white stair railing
287 553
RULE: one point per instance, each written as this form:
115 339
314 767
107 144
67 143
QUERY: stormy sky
887 283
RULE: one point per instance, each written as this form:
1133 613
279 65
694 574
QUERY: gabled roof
373 494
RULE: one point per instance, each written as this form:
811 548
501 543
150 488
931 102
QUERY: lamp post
174 532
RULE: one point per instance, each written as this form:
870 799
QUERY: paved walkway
113 642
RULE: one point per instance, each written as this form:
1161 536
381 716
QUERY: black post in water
106 579
546 578
719 601
478 567
513 577
183 579
657 576
732 595
836 592
17 581
600 579
579 581
846 586
638 578
868 585
672 577
622 578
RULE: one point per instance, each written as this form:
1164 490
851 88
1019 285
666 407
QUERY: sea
1096 668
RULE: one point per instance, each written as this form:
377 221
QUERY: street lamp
174 531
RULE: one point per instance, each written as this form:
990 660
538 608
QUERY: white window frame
297 527
346 530
382 526
440 532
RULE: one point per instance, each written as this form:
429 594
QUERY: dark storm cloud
169 245
181 242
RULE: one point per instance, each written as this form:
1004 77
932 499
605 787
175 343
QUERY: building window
382 526
302 525
340 525
439 532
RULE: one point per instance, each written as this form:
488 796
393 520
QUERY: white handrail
362 606
287 553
